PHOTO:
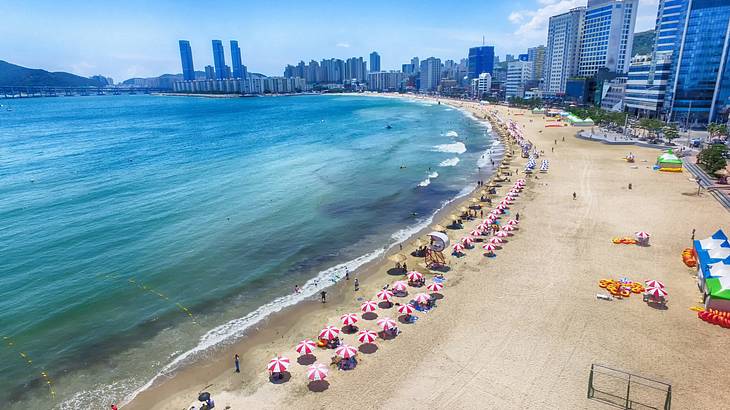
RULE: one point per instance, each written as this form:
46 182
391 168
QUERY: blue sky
139 38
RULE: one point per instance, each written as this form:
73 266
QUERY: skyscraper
219 59
237 69
430 74
209 72
563 48
416 64
374 62
519 72
186 57
608 36
700 77
481 60
536 55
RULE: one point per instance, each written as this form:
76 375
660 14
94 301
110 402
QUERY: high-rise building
386 81
236 62
518 74
481 85
355 69
209 72
509 58
219 59
416 64
536 55
700 78
186 57
563 49
430 74
481 60
374 62
608 36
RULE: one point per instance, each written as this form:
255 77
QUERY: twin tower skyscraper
220 70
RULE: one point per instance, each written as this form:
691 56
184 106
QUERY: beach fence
625 390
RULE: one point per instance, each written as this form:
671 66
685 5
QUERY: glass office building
481 60
219 59
186 57
237 69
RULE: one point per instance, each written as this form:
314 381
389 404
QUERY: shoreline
253 338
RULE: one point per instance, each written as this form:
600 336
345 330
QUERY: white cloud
535 29
516 16
343 45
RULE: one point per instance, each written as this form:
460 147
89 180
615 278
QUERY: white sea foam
449 109
456 148
434 174
425 182
452 134
451 162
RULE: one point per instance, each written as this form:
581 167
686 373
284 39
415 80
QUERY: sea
138 232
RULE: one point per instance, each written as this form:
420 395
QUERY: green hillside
15 75
643 43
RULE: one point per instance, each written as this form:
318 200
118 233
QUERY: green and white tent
669 162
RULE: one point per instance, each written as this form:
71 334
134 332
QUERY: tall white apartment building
608 36
563 49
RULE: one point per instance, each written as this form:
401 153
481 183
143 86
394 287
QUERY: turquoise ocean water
138 231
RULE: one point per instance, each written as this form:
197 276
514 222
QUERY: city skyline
102 42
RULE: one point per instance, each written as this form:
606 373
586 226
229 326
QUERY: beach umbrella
329 333
306 346
366 336
508 228
506 203
406 309
399 286
397 258
654 284
435 287
501 234
496 240
483 226
422 298
656 292
642 235
414 276
476 232
467 240
317 371
368 306
204 396
278 364
501 206
348 319
490 247
458 247
513 222
384 295
345 351
521 181
387 323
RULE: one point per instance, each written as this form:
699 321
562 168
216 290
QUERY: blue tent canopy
708 255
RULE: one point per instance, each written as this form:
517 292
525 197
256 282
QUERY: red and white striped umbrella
642 235
508 228
501 234
406 309
317 371
656 292
414 276
483 226
467 240
399 286
497 212
475 232
345 351
501 206
387 323
348 319
496 240
435 287
654 284
366 336
306 346
368 306
422 298
278 364
513 193
458 247
384 295
489 247
513 222
329 333
505 201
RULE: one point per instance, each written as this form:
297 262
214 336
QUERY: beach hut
713 270
669 162
578 122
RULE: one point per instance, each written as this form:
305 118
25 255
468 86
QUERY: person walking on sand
357 285
574 196
237 363
517 216
323 294
347 271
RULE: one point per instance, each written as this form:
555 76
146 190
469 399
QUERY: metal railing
626 390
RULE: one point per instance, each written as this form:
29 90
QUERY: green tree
651 125
670 132
712 159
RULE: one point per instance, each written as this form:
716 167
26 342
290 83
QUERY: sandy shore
522 329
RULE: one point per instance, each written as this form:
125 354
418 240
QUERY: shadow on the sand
349 329
318 386
437 296
368 348
385 305
386 335
396 271
307 359
280 378
370 316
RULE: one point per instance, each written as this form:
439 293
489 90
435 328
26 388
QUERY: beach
520 330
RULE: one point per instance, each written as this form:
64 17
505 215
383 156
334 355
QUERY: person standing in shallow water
323 294
237 363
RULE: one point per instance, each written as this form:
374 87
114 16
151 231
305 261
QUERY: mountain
15 75
643 43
